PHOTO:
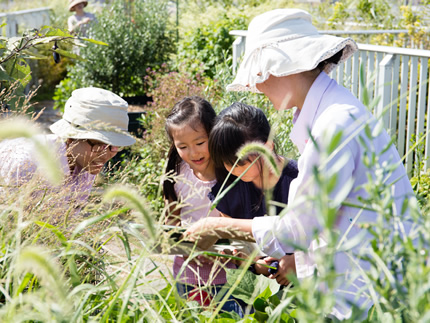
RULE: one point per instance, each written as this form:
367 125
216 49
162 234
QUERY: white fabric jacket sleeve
301 223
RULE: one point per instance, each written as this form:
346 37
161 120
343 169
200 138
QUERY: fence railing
18 20
398 78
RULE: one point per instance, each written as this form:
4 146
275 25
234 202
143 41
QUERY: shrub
137 37
203 47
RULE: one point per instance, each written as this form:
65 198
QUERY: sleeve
18 165
71 22
305 215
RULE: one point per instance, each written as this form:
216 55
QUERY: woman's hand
287 265
220 227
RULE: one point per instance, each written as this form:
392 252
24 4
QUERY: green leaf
44 40
54 229
135 200
33 55
98 42
13 42
4 76
24 283
18 69
66 53
36 260
335 141
251 286
86 223
56 32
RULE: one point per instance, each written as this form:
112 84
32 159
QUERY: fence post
384 91
238 49
11 26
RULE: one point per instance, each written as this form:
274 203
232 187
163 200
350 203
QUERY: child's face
252 175
79 7
192 146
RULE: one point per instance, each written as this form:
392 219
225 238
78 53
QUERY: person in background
93 129
287 59
80 21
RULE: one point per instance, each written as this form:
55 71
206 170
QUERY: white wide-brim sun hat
94 113
282 42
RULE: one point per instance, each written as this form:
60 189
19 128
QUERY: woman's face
82 156
289 91
279 91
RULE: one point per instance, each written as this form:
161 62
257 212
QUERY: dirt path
48 116
154 269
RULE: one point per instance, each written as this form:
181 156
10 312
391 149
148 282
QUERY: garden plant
105 264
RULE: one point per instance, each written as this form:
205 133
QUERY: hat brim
74 3
289 57
64 129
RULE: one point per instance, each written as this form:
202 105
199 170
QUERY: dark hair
235 126
193 111
333 60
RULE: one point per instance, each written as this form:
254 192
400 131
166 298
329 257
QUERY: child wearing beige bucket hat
288 60
79 22
92 130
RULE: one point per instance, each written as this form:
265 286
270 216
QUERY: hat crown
73 3
89 106
279 25
283 42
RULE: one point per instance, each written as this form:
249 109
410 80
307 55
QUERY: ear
270 144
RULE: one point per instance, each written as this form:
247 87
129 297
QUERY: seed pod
56 56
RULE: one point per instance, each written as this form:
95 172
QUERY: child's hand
287 265
202 232
205 259
235 253
263 270
85 21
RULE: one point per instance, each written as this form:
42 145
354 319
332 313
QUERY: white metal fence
25 19
399 78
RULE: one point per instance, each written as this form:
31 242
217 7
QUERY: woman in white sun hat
288 60
92 130
79 22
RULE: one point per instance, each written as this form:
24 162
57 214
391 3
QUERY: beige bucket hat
94 113
282 42
73 3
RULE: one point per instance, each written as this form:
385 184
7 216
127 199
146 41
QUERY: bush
137 36
204 47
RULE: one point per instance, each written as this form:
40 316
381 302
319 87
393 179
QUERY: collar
304 118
